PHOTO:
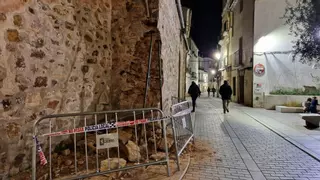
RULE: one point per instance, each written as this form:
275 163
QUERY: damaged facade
64 56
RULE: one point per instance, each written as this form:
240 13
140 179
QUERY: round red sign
259 69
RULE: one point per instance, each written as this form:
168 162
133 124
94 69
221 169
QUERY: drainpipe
183 27
253 19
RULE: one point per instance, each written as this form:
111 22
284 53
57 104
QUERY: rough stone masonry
63 56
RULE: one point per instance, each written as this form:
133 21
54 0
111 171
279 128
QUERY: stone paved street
245 149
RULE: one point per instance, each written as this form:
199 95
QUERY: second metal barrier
182 127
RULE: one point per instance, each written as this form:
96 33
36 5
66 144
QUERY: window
241 5
240 51
225 26
234 86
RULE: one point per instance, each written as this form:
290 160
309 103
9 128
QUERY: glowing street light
217 55
213 71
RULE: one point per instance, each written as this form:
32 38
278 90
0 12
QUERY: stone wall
172 46
63 56
131 33
55 57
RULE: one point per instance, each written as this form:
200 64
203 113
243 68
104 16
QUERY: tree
303 18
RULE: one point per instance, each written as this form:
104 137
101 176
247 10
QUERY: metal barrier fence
176 100
182 127
97 136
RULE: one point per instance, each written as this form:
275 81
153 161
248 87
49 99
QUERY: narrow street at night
246 149
159 89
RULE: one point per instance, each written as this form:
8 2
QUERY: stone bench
286 109
312 120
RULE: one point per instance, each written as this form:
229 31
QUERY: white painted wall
270 35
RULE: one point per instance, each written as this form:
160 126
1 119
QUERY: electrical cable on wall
272 52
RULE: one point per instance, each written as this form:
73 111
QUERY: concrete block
285 109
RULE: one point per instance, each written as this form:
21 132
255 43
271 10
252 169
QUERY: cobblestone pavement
290 126
245 149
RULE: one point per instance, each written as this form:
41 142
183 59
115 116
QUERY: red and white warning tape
103 126
43 160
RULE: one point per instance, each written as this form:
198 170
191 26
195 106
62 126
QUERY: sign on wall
184 124
107 141
258 89
259 69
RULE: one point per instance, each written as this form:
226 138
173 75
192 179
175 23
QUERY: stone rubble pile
130 152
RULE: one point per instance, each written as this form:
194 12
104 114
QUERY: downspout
183 33
253 19
183 27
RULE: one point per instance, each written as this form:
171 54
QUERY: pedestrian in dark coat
213 91
225 92
314 104
208 90
194 92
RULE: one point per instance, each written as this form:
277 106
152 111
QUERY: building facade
211 68
192 56
193 64
202 75
237 48
276 75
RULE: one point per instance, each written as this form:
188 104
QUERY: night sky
206 24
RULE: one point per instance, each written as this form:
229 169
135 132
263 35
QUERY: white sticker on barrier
184 124
105 141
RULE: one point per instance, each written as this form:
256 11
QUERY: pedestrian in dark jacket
314 104
225 92
208 90
194 92
213 91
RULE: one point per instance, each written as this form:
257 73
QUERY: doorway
241 87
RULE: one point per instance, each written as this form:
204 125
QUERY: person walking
208 90
194 92
213 91
225 92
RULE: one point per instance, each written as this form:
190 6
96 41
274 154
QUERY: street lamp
213 72
217 55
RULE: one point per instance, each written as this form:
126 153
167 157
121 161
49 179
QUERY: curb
286 138
186 170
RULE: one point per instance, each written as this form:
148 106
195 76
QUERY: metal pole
175 143
160 72
179 77
148 73
34 156
147 7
